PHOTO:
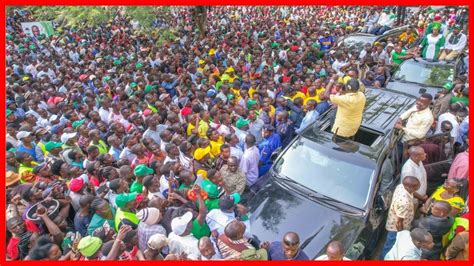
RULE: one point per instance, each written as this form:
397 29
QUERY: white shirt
410 168
184 244
451 118
403 249
218 220
456 47
234 151
104 115
249 164
325 257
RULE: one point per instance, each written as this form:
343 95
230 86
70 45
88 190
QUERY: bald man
334 251
287 249
409 245
414 167
233 242
401 212
438 223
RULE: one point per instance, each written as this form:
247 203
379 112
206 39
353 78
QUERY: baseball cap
65 137
142 170
22 134
179 224
157 241
78 123
163 96
124 198
52 145
76 184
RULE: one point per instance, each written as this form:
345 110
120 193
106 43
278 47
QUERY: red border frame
210 2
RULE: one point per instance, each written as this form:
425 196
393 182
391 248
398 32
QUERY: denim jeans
389 242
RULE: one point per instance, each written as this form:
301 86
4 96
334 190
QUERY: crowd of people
119 149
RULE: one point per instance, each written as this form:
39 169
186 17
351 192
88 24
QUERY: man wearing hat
125 214
140 172
89 247
455 44
148 226
228 210
27 145
271 141
54 149
155 245
76 188
181 240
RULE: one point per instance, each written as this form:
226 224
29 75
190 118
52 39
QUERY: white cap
67 136
22 134
53 118
179 224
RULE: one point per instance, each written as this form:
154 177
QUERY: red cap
76 184
437 17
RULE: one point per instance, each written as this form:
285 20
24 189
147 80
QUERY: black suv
331 189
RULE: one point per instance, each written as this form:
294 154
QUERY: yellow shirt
189 129
202 129
315 98
272 111
251 92
300 95
350 107
215 148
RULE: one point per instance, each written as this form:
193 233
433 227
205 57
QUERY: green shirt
396 57
97 221
199 230
136 187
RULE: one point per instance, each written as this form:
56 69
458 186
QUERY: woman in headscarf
430 46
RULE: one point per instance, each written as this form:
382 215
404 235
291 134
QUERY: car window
332 173
434 75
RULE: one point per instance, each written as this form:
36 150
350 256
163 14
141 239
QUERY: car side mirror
275 154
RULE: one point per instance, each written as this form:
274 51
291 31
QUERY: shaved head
335 251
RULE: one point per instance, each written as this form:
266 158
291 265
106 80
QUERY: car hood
276 209
411 88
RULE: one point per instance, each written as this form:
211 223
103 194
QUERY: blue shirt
275 252
268 146
326 43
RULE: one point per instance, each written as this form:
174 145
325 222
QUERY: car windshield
358 41
433 75
332 173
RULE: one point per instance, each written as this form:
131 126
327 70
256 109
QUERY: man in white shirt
414 167
334 251
450 116
454 45
181 240
250 159
218 219
419 119
104 110
311 116
408 245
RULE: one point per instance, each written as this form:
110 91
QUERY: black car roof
382 109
